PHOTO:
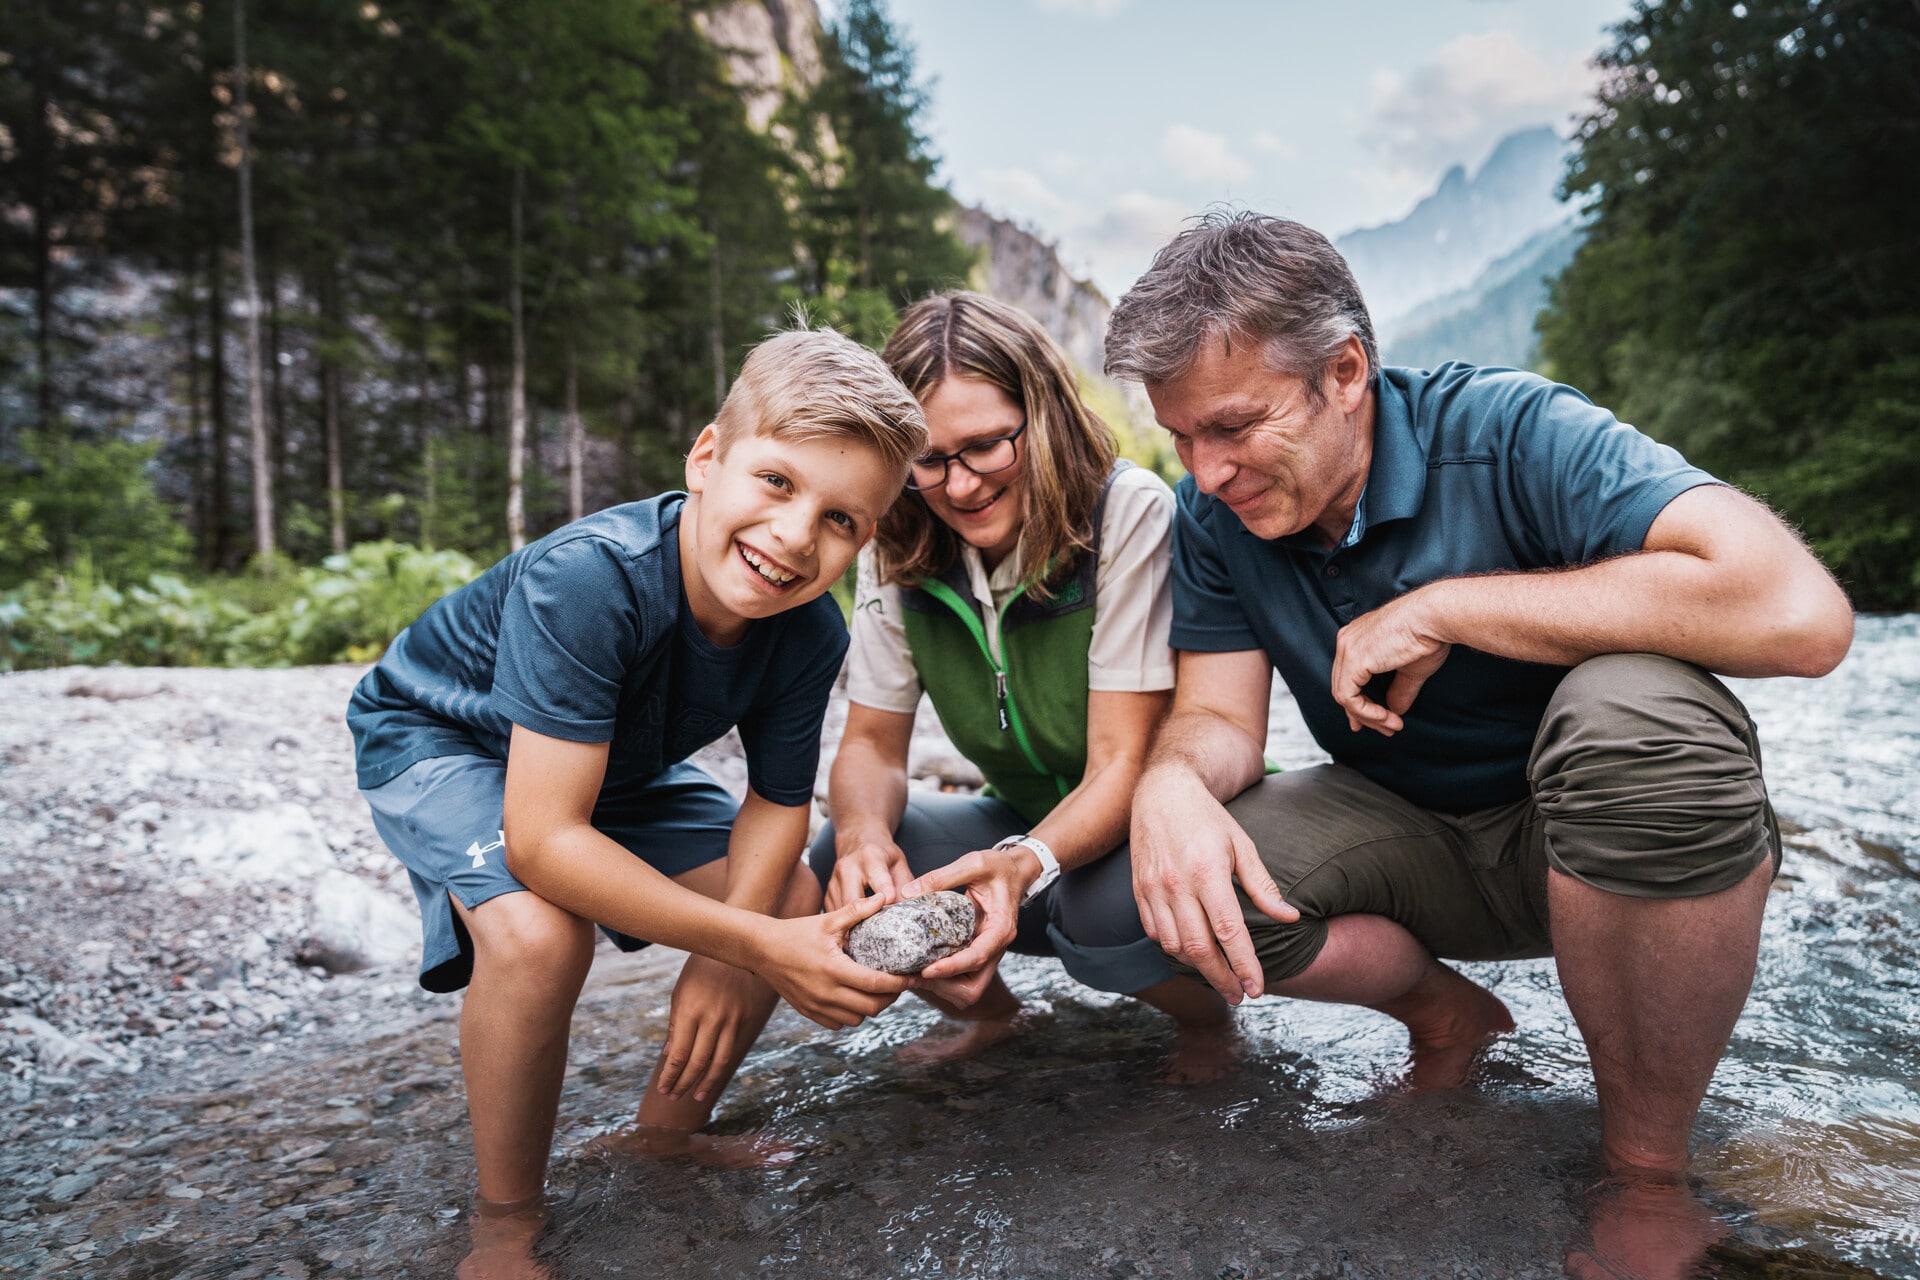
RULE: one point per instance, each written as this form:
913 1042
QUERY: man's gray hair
1240 275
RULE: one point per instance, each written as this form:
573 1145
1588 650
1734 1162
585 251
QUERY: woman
1021 583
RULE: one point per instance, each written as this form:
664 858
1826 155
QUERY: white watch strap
1049 865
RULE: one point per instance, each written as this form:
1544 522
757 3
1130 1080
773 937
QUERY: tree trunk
517 396
330 377
40 139
425 408
263 539
283 477
716 339
196 424
217 402
576 438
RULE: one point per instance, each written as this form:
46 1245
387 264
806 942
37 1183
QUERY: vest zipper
1009 710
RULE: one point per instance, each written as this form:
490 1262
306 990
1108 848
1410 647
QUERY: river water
1061 1153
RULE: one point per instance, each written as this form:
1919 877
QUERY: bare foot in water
1449 1027
1644 1226
716 1151
503 1245
1202 1055
953 1039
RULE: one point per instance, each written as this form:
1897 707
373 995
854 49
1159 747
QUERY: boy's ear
705 451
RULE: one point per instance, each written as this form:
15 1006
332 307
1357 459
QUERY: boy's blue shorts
442 818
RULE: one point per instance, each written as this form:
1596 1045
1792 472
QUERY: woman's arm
867 792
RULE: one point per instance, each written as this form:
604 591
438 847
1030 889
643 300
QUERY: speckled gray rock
908 936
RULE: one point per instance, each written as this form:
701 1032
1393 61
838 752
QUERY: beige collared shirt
1133 604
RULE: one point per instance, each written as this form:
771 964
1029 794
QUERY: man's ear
1347 380
705 452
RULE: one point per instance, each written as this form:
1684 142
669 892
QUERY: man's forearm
1664 602
1199 742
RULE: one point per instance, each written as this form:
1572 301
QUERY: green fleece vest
1022 721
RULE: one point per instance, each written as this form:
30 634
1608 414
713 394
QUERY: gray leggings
1087 917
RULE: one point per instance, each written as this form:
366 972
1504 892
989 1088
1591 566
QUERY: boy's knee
524 934
1646 775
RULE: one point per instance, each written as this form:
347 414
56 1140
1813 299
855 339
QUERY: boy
523 747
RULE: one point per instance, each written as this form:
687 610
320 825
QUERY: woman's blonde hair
1069 451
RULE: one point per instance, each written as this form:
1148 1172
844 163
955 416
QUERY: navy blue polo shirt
586 635
1473 470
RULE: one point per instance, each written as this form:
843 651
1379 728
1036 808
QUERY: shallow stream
1060 1153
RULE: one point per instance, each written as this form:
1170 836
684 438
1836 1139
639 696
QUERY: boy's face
773 523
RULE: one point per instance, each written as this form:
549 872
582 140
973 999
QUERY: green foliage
66 502
1750 287
345 610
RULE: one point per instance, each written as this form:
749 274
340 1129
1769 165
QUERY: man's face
774 523
1252 438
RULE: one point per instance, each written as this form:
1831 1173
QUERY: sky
1101 124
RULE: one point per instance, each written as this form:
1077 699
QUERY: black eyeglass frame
946 460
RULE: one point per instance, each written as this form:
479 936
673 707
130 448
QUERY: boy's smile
771 523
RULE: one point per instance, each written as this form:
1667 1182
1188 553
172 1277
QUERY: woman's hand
710 1001
996 880
804 960
873 867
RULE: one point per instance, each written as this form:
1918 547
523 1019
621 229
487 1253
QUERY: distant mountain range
1464 273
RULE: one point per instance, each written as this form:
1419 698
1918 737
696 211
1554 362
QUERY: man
1497 608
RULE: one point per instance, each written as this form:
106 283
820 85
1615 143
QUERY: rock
948 769
353 926
148 813
55 1050
276 844
908 936
71 1187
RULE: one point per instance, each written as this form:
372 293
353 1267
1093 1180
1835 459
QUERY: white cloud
1473 89
1082 8
1028 198
1269 143
1199 156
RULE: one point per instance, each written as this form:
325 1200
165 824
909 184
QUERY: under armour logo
478 852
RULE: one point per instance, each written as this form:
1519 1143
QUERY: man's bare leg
1372 961
1656 985
530 959
667 1126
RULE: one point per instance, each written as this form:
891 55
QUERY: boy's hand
872 867
710 1002
996 880
803 960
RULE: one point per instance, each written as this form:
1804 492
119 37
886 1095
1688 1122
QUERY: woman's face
986 510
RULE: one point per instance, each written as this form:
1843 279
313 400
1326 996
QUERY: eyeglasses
982 457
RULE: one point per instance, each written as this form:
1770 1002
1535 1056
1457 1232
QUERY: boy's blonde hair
812 384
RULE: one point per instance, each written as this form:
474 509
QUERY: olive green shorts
1645 781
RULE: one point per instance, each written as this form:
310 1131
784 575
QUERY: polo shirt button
1333 571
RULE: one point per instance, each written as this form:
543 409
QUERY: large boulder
351 926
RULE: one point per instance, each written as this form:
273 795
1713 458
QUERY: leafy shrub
345 610
68 502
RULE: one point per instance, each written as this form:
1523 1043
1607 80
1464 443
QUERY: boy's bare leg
666 1126
530 959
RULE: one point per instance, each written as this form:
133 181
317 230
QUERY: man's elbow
1816 630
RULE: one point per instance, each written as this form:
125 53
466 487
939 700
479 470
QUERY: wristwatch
1049 865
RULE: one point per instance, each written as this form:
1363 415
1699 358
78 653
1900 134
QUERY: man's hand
996 880
803 960
1397 637
1187 853
872 867
710 1001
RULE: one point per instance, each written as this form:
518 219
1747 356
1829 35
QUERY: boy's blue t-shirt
586 635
